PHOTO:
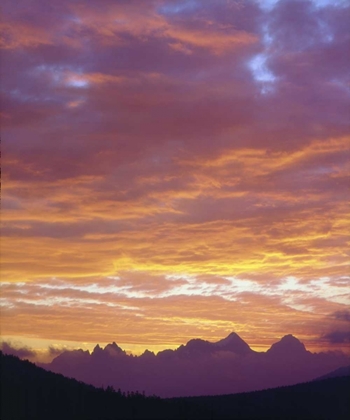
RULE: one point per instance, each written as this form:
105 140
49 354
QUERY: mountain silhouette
199 367
147 354
197 344
234 343
287 346
29 392
111 350
72 357
196 347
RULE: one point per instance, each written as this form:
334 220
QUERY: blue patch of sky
258 64
268 5
177 7
259 69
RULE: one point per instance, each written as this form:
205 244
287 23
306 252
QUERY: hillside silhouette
30 392
199 367
342 371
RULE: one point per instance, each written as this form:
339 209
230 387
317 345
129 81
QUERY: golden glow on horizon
158 187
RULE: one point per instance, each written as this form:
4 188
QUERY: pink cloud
198 140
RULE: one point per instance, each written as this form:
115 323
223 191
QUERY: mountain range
30 392
199 367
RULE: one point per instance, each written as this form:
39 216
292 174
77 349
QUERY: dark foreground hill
324 399
342 371
29 392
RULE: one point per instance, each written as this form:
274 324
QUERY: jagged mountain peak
71 356
197 343
288 344
148 354
233 342
291 340
232 337
97 349
113 347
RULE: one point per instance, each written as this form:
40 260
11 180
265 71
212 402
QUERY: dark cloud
337 337
166 136
54 351
22 352
342 315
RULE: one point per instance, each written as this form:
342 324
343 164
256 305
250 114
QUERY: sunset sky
175 169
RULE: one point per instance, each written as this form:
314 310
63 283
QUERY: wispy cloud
192 155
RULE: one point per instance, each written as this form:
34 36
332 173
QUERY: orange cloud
182 168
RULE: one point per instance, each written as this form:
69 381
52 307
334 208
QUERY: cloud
22 352
342 315
154 309
337 337
178 154
55 351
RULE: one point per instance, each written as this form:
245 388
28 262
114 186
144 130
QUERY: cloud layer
180 166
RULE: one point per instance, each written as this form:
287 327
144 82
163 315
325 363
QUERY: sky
175 169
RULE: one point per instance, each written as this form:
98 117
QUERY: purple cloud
337 337
342 315
22 352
